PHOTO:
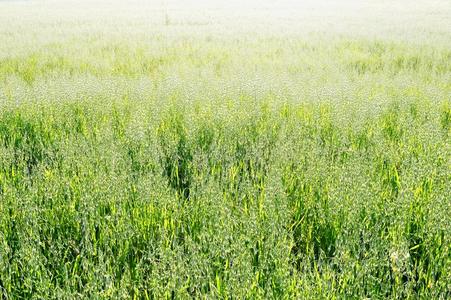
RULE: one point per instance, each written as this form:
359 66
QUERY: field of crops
266 150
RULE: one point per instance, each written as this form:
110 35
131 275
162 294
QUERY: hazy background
264 38
415 20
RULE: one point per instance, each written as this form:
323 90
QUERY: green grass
310 166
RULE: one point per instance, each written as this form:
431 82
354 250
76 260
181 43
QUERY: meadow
265 150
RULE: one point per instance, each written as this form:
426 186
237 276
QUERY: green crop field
225 149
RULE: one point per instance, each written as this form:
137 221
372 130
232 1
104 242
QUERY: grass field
266 150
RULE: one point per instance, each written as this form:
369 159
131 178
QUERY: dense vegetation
266 167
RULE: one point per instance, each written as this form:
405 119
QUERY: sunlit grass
185 164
